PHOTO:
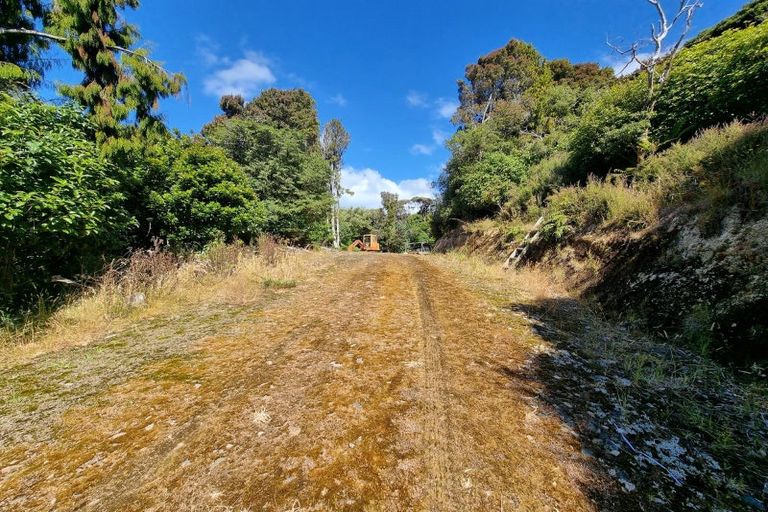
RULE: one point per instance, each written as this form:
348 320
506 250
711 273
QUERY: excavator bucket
357 245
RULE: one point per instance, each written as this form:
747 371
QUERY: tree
232 105
587 74
334 143
392 229
119 82
504 74
20 54
286 109
355 222
611 133
287 175
204 196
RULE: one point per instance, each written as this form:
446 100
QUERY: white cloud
446 108
339 100
208 50
422 149
443 107
244 76
368 184
417 99
439 136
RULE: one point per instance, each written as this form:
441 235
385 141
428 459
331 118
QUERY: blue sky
387 69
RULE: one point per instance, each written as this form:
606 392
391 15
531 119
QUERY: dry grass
380 387
529 283
152 284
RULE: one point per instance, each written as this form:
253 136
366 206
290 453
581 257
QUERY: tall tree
286 109
119 83
392 229
20 54
113 87
503 75
334 142
289 177
232 105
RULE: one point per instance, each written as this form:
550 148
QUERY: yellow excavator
369 243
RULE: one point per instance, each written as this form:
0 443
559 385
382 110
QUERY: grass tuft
271 282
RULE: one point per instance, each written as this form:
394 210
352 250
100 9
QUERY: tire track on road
437 425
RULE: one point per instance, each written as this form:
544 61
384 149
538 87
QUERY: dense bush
753 13
481 172
524 200
580 209
610 133
288 175
482 188
715 82
62 208
203 197
719 169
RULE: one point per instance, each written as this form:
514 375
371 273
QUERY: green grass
599 204
272 282
722 168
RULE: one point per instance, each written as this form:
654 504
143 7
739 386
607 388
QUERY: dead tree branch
659 63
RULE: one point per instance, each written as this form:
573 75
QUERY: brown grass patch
149 285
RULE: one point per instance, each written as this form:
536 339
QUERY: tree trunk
337 240
335 211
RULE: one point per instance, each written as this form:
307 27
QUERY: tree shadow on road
643 412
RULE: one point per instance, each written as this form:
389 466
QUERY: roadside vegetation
635 318
100 178
642 212
616 165
161 284
93 184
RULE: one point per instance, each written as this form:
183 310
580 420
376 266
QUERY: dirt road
384 384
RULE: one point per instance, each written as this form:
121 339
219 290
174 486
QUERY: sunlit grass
156 285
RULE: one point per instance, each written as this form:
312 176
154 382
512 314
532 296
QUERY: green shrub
753 13
580 209
609 135
715 82
720 168
61 209
204 197
524 200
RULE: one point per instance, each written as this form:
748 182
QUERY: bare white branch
61 39
659 63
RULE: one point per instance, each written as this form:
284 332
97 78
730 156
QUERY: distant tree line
399 223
